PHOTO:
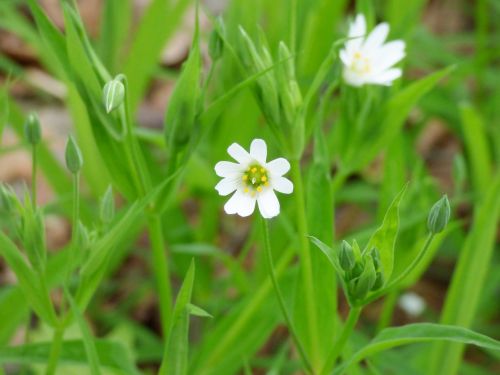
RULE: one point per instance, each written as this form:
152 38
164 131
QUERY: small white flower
368 60
253 180
412 304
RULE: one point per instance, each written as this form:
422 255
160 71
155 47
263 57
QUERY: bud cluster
362 272
277 90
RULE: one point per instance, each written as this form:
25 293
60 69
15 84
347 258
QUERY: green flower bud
346 256
287 60
113 95
107 207
439 215
215 41
379 281
375 255
32 130
33 237
359 287
73 156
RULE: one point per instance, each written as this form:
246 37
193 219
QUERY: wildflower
368 60
439 216
252 180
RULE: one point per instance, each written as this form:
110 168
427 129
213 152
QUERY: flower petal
241 204
269 206
388 55
258 150
357 30
239 154
227 169
376 37
282 184
278 167
226 186
386 77
345 57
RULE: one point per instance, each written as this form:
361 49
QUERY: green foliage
144 205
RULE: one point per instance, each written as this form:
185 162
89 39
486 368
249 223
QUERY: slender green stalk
394 283
71 256
349 325
306 263
279 295
55 349
160 270
34 175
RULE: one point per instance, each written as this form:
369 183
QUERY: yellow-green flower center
255 179
361 65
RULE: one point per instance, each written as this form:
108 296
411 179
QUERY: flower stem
349 325
306 263
279 295
160 270
394 283
33 175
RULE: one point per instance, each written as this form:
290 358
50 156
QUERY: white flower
368 60
253 180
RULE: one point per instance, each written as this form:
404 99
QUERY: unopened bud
364 283
375 255
73 156
107 207
439 215
379 281
287 60
32 130
113 95
346 256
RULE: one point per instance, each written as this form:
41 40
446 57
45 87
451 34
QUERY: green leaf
112 355
478 150
29 281
198 311
96 265
175 358
384 238
475 261
415 333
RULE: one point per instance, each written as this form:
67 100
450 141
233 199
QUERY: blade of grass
464 293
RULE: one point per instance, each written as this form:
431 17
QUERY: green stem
349 325
160 270
71 256
306 263
394 283
55 349
33 175
279 295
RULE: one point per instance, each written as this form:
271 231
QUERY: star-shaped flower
368 59
252 179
